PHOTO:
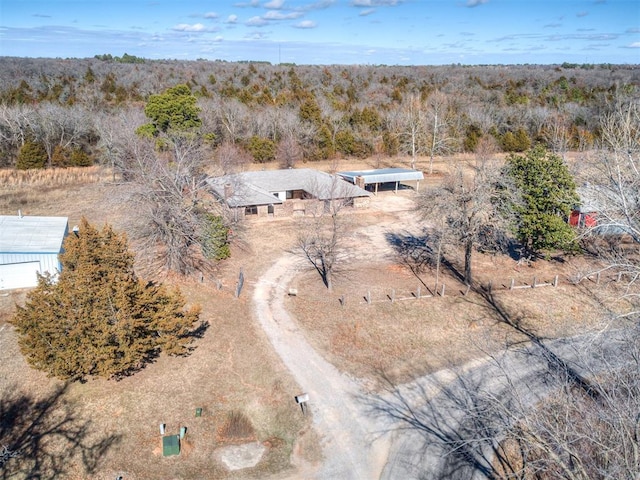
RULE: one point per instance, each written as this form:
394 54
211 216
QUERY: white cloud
218 39
634 45
320 5
232 19
256 36
274 15
257 22
274 4
475 3
374 3
211 15
252 3
306 24
368 11
185 27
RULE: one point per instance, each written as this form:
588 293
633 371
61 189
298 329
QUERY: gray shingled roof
26 234
383 175
259 188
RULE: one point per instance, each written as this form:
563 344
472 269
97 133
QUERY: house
394 177
584 215
601 211
29 245
281 193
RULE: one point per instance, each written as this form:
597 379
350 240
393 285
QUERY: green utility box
171 445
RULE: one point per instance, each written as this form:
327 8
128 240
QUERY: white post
162 428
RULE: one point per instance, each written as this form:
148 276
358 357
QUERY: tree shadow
414 251
554 361
45 439
465 422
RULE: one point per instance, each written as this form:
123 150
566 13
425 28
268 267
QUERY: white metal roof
26 234
383 175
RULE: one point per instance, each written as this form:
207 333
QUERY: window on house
253 210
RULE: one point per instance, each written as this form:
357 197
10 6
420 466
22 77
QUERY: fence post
488 286
555 281
534 283
442 294
240 283
369 297
598 278
513 282
418 293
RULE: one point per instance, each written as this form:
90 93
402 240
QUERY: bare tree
59 126
289 152
438 123
465 205
614 189
408 124
321 237
231 158
117 139
556 133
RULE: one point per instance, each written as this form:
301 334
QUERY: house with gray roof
290 192
29 245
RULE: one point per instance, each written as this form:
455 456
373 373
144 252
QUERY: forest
68 112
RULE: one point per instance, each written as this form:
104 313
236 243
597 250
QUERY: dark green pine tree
99 319
548 194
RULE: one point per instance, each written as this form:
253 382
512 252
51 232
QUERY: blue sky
392 32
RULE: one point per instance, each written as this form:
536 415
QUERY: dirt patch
238 457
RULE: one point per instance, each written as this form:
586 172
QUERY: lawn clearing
233 367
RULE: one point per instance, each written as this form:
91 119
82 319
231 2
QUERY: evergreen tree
215 237
548 194
99 319
173 110
31 155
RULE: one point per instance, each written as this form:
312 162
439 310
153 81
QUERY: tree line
54 111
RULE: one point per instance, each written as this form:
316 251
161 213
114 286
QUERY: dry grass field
233 368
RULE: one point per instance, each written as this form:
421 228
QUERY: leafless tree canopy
613 187
466 207
321 236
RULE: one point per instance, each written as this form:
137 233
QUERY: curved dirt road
349 444
353 445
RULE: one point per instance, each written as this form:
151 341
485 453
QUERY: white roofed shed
29 245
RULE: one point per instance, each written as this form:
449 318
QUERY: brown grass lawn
233 367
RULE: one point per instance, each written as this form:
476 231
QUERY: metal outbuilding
394 176
29 245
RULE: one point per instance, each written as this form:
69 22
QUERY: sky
368 32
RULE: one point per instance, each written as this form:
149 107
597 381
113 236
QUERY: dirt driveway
352 444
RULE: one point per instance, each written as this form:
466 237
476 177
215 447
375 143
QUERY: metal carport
362 178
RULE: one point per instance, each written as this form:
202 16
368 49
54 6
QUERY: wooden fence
423 292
